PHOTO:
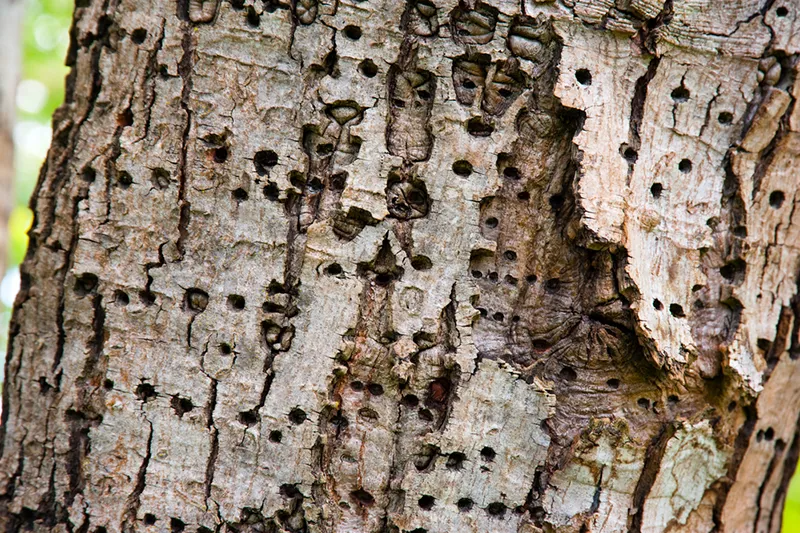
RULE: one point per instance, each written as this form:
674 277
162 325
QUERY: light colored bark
382 266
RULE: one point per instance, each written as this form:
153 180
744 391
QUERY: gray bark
381 266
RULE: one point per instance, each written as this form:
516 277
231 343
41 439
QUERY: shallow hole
732 406
264 160
139 35
511 173
352 32
196 300
498 316
362 497
488 454
656 189
462 168
410 401
85 284
497 509
477 274
568 374
240 195
685 166
176 525
275 436
368 68
147 298
524 196
149 519
493 276
478 128
376 389
491 222
426 415
145 391
455 460
676 310
253 18
181 406
511 255
644 403
334 269
583 76
421 262
673 399
776 199
613 383
225 348
680 94
657 305
465 504
725 118
511 280
357 385
236 302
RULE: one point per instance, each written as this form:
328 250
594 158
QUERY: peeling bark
423 266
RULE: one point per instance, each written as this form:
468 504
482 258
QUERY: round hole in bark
455 460
531 278
680 94
673 399
271 191
357 385
334 269
685 166
511 255
410 401
149 519
630 155
511 173
583 76
498 316
240 195
644 403
85 284
725 118
524 196
108 384
552 285
732 406
478 128
657 305
781 11
221 154
462 168
465 504
676 310
421 262
477 274
139 35
568 374
225 349
488 454
426 415
511 280
196 300
89 174
368 68
483 312
426 502
352 32
275 436
613 383
297 416
376 389
496 509
769 434
419 530
362 497
237 4
556 202
147 298
248 418
264 160
491 222
145 391
236 302
493 276
776 199
253 18
176 525
515 318
124 180
656 189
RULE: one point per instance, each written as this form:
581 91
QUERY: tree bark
9 66
381 266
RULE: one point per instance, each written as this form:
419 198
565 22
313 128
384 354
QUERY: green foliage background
45 41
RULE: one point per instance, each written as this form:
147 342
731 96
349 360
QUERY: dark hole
176 525
145 391
552 284
237 4
455 460
264 160
644 403
340 422
477 274
204 529
524 196
776 199
139 35
98 529
511 173
760 435
362 497
540 345
236 302
240 195
124 179
426 415
515 318
613 383
221 154
248 418
376 389
426 502
731 406
465 504
125 118
297 416
352 32
288 490
733 270
357 385
196 300
396 102
725 118
420 262
468 84
656 189
511 280
680 94
85 284
531 278
491 222
630 155
410 401
498 316
253 19
478 128
568 374
383 279
89 174
334 269
483 312
275 436
511 255
271 191
676 310
425 95
769 434
147 298
419 530
462 168
149 519
225 348
583 76
488 453
781 11
673 399
740 231
108 384
657 305
763 344
368 68
685 166
497 509
556 202
160 178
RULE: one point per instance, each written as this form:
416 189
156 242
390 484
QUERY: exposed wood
381 266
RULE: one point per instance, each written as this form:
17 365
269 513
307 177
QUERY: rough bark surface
422 266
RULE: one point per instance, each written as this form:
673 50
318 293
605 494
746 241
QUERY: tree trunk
9 67
382 266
